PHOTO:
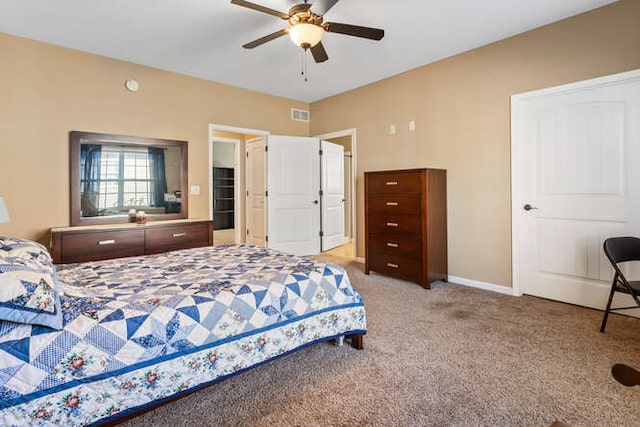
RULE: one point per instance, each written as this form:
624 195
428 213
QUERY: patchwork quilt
143 329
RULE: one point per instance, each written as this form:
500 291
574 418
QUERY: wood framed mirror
112 175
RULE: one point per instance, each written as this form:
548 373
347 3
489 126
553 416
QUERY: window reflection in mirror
116 175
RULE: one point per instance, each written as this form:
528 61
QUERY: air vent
299 115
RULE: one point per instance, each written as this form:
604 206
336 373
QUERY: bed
96 342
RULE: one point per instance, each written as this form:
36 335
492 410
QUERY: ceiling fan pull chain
303 64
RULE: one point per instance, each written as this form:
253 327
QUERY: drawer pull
392 203
106 242
392 245
392 224
391 183
392 265
179 234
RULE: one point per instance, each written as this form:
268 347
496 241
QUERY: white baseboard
482 285
359 259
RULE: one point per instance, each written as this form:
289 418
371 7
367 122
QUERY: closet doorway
227 204
225 164
347 139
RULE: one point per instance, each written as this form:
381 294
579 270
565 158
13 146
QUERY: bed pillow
28 292
23 248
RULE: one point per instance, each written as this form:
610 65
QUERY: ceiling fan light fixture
306 35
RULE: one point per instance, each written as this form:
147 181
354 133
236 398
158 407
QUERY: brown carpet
451 355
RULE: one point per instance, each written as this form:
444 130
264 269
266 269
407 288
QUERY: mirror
113 175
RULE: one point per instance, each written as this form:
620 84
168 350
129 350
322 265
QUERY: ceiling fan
306 26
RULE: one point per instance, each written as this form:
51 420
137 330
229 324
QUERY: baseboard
359 259
482 285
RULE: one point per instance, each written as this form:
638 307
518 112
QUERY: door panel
575 163
332 167
294 200
256 179
348 233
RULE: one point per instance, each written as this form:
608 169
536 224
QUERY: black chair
621 249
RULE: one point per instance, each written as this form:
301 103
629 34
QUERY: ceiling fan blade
259 8
354 30
268 38
320 7
318 52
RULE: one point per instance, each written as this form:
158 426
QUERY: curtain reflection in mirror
159 177
90 178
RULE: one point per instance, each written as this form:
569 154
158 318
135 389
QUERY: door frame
239 215
354 196
517 106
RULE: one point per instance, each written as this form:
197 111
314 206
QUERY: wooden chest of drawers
92 243
406 224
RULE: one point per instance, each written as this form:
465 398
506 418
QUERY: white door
333 200
256 179
576 181
294 200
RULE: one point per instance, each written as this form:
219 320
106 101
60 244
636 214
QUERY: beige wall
461 109
47 91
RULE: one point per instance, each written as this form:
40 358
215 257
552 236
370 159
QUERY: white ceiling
203 38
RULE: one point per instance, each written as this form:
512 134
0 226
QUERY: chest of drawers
92 243
406 224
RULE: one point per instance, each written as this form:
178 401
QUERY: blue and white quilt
142 329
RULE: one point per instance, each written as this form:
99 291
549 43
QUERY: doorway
347 139
227 168
224 184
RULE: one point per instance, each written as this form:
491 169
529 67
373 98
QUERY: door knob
528 207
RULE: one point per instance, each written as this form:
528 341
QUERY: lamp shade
4 213
306 35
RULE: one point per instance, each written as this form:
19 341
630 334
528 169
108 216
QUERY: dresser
97 242
406 224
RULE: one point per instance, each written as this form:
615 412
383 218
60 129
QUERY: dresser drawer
391 222
407 182
404 244
397 266
395 203
101 245
183 236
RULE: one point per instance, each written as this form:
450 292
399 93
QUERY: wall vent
299 115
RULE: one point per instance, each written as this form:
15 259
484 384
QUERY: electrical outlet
412 126
195 190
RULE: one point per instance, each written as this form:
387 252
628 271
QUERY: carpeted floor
451 355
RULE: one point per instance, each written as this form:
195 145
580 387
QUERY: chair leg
606 311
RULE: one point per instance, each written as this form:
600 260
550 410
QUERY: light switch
195 190
412 126
392 129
